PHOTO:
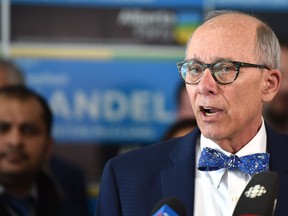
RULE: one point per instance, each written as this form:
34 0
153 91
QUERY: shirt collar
258 144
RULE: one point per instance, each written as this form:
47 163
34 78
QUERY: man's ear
272 83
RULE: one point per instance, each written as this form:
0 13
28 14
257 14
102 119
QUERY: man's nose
14 137
207 84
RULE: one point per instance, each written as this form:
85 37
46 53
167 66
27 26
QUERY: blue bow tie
211 160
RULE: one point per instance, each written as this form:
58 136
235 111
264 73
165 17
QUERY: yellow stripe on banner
118 52
61 53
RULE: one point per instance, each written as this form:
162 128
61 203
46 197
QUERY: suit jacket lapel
277 145
178 180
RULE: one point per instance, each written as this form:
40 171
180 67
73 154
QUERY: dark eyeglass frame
236 64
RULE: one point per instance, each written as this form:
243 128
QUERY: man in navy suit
231 69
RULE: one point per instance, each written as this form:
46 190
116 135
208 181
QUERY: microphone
169 206
258 197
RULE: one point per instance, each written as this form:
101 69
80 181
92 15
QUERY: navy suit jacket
134 182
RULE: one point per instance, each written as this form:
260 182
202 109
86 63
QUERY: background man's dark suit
72 184
138 180
48 202
55 196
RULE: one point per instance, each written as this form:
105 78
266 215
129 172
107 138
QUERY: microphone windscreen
258 197
168 203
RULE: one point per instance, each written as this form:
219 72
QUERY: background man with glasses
231 70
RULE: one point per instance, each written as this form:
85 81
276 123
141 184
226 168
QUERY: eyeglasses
223 72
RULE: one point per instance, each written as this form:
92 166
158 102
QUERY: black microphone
258 197
169 206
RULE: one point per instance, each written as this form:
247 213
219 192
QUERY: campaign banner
125 25
119 3
106 101
250 5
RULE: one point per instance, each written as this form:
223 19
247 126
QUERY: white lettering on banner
161 114
115 106
84 104
148 24
46 78
115 133
140 106
59 104
137 17
153 33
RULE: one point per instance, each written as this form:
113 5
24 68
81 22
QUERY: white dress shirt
217 192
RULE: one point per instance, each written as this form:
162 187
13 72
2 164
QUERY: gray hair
267 47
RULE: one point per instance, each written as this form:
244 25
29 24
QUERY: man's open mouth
209 111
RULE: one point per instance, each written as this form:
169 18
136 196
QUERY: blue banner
117 3
111 101
250 5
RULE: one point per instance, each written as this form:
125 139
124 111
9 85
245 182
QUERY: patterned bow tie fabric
211 160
